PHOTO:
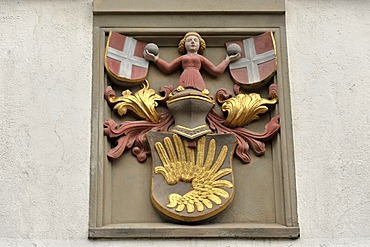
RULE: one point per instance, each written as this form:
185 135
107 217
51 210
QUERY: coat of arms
124 59
191 144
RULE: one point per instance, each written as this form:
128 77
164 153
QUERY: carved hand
150 56
233 58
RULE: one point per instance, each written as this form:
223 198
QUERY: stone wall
45 106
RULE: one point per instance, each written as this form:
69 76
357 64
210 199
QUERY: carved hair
202 43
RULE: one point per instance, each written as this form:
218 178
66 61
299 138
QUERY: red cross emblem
258 60
124 59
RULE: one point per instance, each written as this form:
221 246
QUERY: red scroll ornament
246 138
133 134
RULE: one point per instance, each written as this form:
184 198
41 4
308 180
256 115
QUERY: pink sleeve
169 67
214 70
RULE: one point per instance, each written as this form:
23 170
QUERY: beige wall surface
129 6
45 107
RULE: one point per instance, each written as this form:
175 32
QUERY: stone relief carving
191 145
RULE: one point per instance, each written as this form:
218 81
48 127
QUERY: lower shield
192 181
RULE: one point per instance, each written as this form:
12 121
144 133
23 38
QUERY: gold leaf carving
180 163
142 103
244 108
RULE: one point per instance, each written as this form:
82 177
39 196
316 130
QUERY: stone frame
255 18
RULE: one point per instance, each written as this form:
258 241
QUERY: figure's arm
161 64
212 69
168 67
219 69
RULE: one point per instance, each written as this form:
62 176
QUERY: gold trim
186 128
180 89
123 79
274 44
178 130
190 96
191 136
205 91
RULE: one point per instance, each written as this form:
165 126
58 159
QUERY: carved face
192 44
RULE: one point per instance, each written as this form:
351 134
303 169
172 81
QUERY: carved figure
192 46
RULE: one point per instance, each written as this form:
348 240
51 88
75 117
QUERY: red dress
191 64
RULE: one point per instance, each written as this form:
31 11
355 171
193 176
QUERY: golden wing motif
244 108
142 103
180 163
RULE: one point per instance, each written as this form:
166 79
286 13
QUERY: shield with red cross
258 60
124 59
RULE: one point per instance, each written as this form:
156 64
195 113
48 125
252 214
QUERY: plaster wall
45 105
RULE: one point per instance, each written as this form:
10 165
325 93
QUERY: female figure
192 45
